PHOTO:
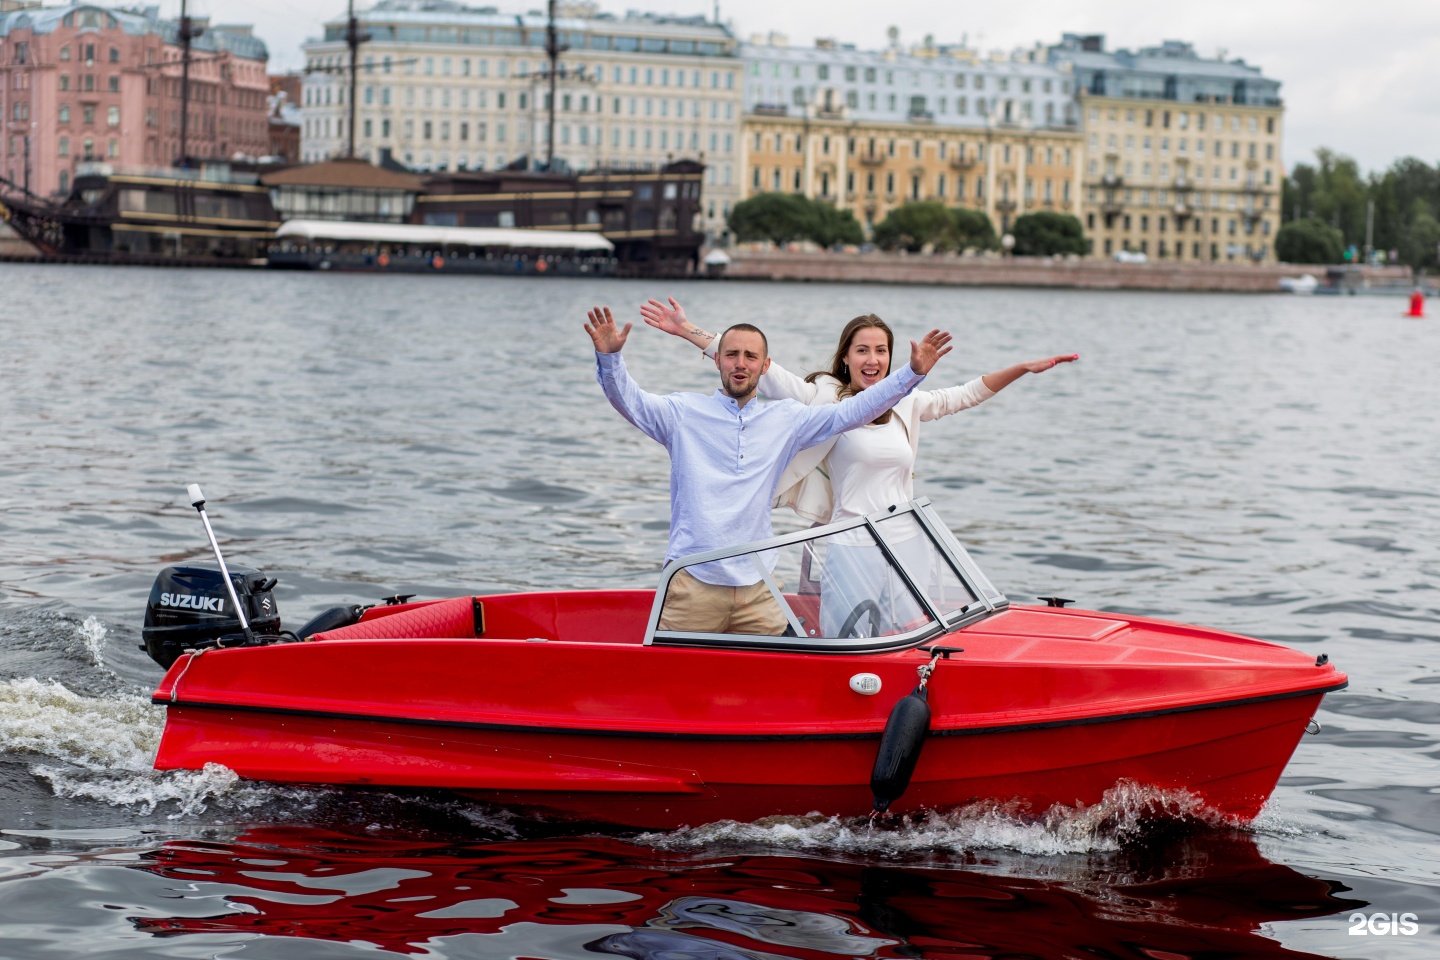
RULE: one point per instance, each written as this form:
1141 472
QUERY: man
726 456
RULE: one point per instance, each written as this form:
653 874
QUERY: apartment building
84 83
869 130
444 86
1182 153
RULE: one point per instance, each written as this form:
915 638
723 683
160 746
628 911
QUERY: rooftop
139 21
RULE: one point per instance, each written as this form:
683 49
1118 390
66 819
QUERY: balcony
962 163
1182 182
1110 206
1112 180
1005 206
1252 187
1183 210
770 110
872 159
922 116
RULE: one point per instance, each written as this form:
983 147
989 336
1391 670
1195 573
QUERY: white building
443 86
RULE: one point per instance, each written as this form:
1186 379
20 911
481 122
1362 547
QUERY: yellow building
1187 182
1182 155
870 131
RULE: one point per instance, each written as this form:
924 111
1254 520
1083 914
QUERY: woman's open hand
928 351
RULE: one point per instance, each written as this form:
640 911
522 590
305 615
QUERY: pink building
86 83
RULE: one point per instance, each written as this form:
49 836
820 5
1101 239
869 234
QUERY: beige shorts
693 606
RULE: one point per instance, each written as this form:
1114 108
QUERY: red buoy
1417 304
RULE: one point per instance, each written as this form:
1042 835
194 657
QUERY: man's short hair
748 328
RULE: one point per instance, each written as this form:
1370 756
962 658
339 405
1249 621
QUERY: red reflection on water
598 897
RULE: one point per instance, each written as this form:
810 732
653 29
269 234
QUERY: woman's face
868 358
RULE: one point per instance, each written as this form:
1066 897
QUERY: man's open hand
601 327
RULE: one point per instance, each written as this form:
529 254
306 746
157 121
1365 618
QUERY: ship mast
353 39
553 49
188 32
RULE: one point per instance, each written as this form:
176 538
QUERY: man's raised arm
826 420
653 415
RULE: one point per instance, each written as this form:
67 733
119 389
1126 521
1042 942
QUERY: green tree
916 224
1046 233
1311 240
777 217
1339 198
786 217
831 226
973 229
1420 238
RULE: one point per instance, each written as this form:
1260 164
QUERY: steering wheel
847 629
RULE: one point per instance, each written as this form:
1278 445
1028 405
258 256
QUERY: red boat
575 703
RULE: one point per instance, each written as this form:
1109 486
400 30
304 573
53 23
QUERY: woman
868 469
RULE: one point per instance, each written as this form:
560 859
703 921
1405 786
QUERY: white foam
97 733
103 748
92 634
1122 814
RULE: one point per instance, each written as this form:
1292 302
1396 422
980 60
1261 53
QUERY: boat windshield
870 583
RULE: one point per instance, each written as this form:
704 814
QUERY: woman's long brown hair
840 370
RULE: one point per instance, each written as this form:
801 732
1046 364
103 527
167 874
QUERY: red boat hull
1044 707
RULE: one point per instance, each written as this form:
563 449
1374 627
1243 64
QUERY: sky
1362 78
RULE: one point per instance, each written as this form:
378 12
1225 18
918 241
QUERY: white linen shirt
725 460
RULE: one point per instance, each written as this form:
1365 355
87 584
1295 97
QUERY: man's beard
729 387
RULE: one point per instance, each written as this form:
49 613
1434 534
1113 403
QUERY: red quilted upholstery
441 619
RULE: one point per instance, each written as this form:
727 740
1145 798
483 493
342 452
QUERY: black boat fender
904 736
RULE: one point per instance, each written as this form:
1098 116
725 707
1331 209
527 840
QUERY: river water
1262 464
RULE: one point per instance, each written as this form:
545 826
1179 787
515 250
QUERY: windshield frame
988 600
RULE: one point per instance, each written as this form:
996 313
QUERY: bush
1046 233
974 229
777 217
786 217
1311 240
832 226
916 224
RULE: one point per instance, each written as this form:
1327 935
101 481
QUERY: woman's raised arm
777 383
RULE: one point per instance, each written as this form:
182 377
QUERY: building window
112 117
64 146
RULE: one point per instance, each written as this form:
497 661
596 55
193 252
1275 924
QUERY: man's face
741 360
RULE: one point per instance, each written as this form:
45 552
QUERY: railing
1112 180
872 159
207 173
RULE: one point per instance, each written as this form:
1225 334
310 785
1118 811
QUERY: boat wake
101 748
1129 815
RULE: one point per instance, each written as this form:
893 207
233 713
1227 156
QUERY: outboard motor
190 608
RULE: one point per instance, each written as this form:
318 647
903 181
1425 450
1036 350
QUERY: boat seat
462 618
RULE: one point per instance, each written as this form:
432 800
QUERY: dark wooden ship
224 214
